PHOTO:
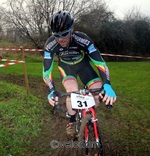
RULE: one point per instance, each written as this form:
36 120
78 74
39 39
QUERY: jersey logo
81 40
50 45
47 55
61 49
91 48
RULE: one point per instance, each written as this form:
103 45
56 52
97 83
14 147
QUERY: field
28 126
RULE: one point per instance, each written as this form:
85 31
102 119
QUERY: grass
134 80
126 127
4 43
20 119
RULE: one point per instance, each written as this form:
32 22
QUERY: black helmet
61 21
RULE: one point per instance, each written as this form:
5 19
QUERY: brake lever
58 107
109 107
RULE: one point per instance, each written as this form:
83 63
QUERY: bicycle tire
78 124
92 151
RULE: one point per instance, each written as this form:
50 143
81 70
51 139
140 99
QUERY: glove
109 91
53 94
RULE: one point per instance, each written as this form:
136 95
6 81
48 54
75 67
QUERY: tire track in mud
53 140
54 126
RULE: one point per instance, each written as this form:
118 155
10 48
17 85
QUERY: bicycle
86 121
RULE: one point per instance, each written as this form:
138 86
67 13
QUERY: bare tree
133 14
31 17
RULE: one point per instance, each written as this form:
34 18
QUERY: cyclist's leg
90 79
70 84
96 84
68 76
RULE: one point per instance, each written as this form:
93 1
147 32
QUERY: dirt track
52 140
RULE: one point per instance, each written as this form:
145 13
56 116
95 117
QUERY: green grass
4 43
20 119
126 127
132 80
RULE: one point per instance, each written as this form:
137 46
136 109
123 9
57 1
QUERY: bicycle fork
86 130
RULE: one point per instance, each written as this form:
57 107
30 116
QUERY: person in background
74 50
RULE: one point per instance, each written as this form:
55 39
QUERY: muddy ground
52 141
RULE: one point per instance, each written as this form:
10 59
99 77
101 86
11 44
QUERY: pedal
92 120
68 115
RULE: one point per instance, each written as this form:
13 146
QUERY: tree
95 22
139 25
32 17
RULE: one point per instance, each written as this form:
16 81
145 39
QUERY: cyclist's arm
96 58
48 67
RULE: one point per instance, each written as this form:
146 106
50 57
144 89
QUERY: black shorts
82 69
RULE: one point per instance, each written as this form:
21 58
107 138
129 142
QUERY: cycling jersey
75 54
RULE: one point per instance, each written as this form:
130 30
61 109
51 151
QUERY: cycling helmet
61 21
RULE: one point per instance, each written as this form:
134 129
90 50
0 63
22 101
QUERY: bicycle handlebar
82 91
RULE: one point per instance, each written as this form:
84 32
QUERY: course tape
12 62
8 60
125 56
105 54
18 49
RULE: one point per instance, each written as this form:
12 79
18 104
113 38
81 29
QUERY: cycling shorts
83 69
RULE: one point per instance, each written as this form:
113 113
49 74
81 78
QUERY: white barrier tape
38 50
33 50
11 63
125 56
18 49
10 49
7 60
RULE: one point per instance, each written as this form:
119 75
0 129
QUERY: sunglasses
63 35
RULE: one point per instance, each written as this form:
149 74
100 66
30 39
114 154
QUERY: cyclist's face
64 40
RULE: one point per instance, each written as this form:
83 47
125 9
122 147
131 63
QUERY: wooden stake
25 72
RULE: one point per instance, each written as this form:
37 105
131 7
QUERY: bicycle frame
93 112
82 113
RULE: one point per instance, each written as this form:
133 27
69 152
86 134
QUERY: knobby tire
92 151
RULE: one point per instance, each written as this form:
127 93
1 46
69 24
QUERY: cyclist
75 50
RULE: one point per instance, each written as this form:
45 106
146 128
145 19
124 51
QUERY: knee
70 85
97 100
68 99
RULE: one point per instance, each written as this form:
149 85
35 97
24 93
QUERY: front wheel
93 147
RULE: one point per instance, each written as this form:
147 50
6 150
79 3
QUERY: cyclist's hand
110 96
53 97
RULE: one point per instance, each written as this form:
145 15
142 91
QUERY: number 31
81 104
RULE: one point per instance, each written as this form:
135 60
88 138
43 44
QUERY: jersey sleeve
96 58
48 67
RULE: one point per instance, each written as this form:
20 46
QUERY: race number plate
82 101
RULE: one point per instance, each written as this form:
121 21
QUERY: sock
72 118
